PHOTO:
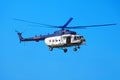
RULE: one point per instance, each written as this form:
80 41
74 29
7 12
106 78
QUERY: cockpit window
81 36
77 38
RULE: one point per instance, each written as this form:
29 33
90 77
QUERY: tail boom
36 38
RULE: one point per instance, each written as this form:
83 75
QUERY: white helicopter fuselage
65 40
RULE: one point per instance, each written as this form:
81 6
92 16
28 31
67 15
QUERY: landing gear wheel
50 48
78 47
75 49
65 50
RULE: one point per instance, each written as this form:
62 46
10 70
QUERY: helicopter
62 38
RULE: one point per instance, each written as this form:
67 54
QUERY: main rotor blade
65 25
33 22
83 27
75 27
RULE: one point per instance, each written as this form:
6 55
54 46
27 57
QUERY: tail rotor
19 35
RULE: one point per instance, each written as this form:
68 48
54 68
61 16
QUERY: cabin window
49 40
52 40
56 40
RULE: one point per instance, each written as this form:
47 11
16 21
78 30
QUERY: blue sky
99 59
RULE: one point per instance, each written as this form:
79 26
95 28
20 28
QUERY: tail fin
19 35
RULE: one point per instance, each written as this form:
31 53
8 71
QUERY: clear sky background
99 59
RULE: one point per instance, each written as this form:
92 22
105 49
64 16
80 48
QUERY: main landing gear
65 49
74 49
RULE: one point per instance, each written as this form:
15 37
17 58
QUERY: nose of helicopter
83 41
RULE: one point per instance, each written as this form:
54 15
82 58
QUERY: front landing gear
50 48
75 49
